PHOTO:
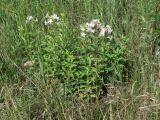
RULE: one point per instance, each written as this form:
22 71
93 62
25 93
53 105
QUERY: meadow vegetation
79 60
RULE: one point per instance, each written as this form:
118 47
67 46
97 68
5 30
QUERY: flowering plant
95 26
85 63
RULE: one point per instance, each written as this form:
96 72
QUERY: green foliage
91 64
83 66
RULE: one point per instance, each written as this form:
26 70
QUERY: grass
35 93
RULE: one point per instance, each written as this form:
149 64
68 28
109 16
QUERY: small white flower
91 25
97 23
29 18
83 34
36 20
50 21
87 24
55 17
102 32
82 28
90 30
109 29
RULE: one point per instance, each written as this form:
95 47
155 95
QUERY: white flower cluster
51 19
31 18
95 26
